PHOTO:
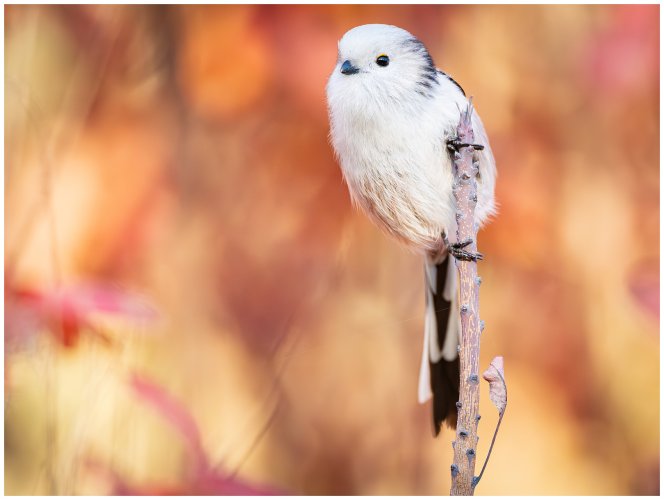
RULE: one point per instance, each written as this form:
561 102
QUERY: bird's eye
382 60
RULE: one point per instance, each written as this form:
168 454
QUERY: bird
393 117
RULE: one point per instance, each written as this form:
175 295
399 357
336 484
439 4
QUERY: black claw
456 250
455 144
462 244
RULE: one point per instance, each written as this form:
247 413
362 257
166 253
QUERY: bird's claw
455 145
457 251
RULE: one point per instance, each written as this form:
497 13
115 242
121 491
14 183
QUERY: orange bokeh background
175 161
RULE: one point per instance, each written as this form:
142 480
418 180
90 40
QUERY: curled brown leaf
495 375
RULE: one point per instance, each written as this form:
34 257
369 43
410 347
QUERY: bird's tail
439 373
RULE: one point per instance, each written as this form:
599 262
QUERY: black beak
348 69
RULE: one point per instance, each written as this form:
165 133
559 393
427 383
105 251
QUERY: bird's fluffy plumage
389 127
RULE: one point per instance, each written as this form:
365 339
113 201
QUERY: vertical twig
465 193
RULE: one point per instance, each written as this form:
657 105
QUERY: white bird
393 115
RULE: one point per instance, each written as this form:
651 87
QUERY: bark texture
465 193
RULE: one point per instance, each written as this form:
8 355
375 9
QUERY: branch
465 193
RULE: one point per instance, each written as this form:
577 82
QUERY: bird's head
380 64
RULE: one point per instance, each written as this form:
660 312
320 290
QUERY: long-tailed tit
393 116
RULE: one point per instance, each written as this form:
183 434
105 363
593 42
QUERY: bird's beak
348 69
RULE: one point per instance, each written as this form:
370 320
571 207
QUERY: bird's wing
486 182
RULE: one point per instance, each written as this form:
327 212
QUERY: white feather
449 352
424 385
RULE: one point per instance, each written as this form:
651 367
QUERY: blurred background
193 306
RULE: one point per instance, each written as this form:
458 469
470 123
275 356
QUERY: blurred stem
166 26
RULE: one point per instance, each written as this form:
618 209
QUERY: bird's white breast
394 160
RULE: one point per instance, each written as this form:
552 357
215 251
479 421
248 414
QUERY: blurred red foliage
66 313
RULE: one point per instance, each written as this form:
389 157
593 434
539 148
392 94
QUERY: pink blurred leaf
207 484
176 414
497 387
66 312
205 480
106 299
624 56
216 483
21 324
643 282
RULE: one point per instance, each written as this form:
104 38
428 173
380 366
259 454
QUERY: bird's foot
454 144
457 251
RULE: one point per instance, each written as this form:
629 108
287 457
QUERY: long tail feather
439 374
